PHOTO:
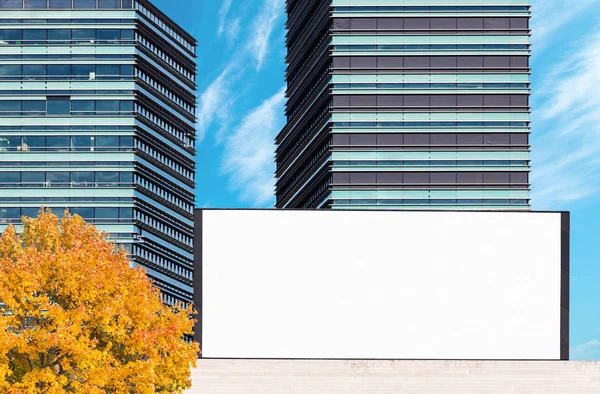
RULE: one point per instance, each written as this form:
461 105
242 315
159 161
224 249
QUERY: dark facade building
97 114
406 105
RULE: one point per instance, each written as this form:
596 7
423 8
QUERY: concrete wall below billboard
394 377
284 284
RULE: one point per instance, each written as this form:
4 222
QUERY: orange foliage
74 317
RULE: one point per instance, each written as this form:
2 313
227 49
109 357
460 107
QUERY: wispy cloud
223 11
217 101
262 28
550 15
249 152
586 351
566 134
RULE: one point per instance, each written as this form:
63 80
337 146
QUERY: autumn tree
76 318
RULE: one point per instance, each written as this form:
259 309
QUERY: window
60 35
107 69
107 178
127 34
82 143
60 3
107 107
83 35
10 178
57 178
34 107
9 143
10 107
83 71
11 35
109 4
82 178
34 143
126 106
106 214
33 71
35 4
59 106
31 212
33 178
59 70
37 36
9 70
83 107
84 212
9 213
106 142
11 4
91 4
108 35
57 143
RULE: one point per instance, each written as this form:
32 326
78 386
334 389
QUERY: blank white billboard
382 285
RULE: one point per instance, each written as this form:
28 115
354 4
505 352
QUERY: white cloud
249 152
548 16
566 135
586 351
215 103
262 28
223 11
233 31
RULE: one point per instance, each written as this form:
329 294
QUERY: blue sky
241 99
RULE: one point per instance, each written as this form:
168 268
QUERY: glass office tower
406 104
97 109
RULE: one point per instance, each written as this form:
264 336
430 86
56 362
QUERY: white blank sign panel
380 285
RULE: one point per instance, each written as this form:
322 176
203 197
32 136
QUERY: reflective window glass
83 70
34 143
34 71
10 178
59 106
107 69
126 177
91 4
106 142
60 3
33 178
62 70
109 3
34 107
9 70
108 34
127 69
9 213
57 178
107 106
10 106
127 3
82 143
11 4
10 35
9 143
126 213
30 212
62 35
58 143
107 177
85 106
83 34
82 178
107 214
125 106
35 4
34 36
84 212
127 34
